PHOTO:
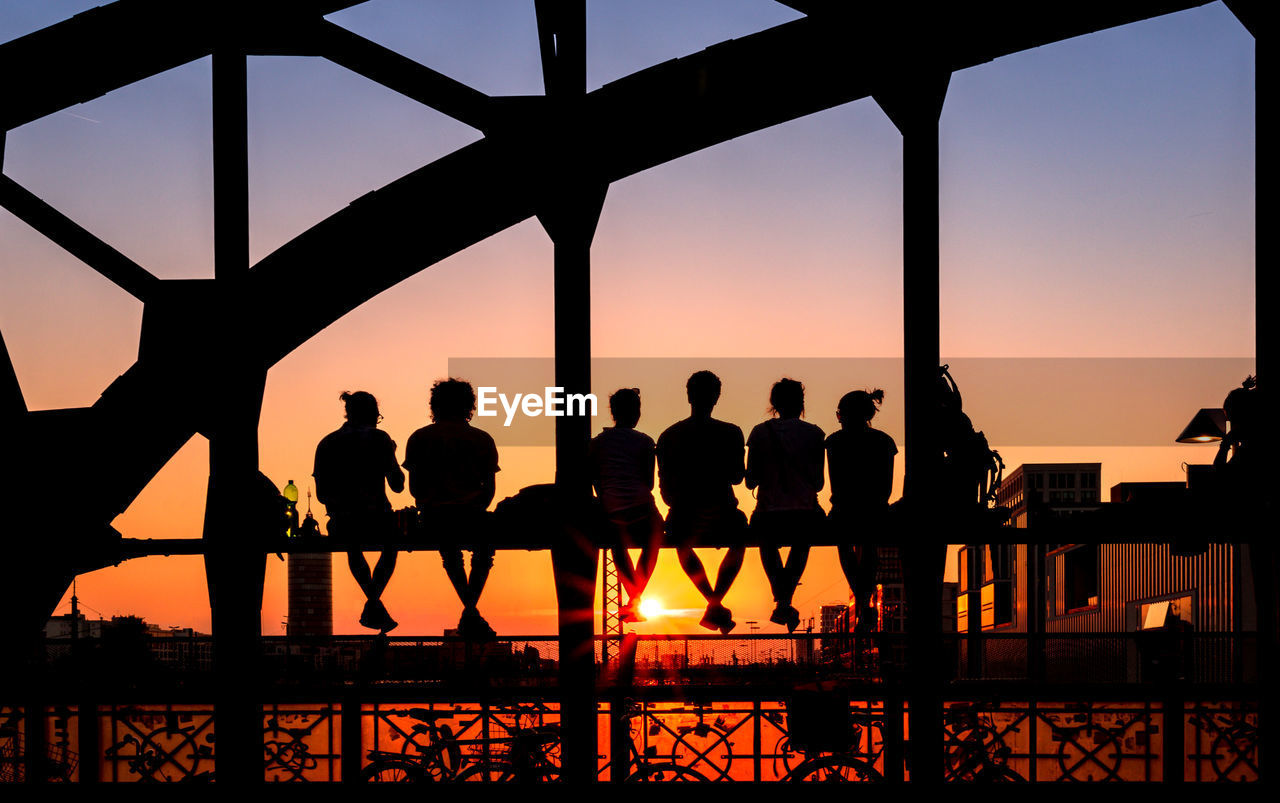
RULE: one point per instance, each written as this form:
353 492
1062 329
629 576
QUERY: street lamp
1207 426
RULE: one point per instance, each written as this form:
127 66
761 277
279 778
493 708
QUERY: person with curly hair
451 468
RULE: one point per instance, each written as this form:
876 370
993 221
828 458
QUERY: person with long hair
860 462
784 466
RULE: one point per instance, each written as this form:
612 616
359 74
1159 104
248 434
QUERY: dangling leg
653 547
473 624
728 572
360 571
481 565
382 573
693 567
456 572
797 559
771 559
635 576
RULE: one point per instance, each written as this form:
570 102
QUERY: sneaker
725 621
711 619
369 616
387 624
483 630
779 615
793 619
630 613
472 626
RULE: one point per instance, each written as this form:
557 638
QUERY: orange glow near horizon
1080 216
651 608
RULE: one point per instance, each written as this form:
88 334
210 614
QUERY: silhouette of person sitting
971 469
860 462
451 468
351 466
699 462
784 461
622 462
1243 409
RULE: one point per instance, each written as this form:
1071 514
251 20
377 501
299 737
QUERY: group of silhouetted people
700 459
452 465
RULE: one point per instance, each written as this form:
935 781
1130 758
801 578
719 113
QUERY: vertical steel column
571 226
894 738
35 745
914 104
1262 552
1174 747
1266 302
233 567
90 747
569 216
351 751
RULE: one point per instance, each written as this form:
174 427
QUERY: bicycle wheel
999 774
393 771
787 756
835 769
504 772
666 773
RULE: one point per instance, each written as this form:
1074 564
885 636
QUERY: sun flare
652 608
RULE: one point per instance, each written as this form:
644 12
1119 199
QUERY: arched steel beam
648 118
114 45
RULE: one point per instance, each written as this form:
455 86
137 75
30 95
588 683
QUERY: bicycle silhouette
704 751
528 750
1234 746
708 745
831 757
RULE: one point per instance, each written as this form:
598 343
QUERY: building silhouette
310 594
1102 588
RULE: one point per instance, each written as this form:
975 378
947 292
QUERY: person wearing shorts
699 462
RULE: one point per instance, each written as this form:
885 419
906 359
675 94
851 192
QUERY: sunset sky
1097 200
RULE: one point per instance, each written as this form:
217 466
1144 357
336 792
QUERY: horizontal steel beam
143 547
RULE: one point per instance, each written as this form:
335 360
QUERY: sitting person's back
451 476
860 462
622 468
785 464
699 462
352 467
451 463
621 462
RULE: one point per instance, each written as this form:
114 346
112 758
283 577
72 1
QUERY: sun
652 608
